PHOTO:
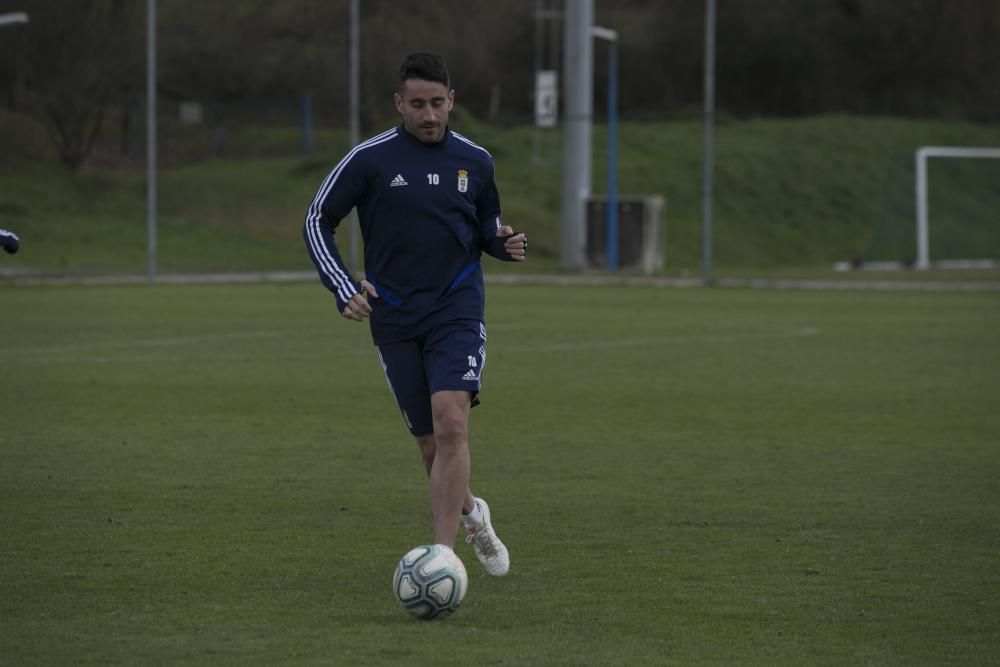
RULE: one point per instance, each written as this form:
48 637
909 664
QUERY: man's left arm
506 244
9 241
496 238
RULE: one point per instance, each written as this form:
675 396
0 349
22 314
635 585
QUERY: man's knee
450 429
451 419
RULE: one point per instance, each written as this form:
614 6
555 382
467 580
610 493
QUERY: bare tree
79 57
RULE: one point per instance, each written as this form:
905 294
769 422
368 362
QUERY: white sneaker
489 549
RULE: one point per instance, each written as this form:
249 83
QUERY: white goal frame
923 154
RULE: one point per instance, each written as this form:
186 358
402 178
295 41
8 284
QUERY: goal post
923 154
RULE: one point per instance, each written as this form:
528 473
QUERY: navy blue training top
427 212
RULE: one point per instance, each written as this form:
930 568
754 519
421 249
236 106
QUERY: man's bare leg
428 447
490 551
449 468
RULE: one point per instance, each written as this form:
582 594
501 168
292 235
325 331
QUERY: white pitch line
659 340
104 352
171 341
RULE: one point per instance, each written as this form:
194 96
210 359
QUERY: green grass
790 194
218 475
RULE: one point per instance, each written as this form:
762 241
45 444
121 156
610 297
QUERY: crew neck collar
410 136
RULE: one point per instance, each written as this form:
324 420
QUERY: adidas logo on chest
398 181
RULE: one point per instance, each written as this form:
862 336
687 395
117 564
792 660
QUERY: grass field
217 475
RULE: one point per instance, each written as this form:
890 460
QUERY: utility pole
151 138
544 137
578 82
611 226
708 147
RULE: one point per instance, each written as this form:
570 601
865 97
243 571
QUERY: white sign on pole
11 18
546 98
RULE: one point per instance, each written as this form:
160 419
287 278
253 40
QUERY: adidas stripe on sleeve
338 194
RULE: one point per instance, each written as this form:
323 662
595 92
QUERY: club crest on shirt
463 180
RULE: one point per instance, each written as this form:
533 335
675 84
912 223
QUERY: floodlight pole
708 147
611 246
151 137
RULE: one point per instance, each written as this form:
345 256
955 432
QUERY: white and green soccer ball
430 582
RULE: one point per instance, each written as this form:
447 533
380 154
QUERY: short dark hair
426 67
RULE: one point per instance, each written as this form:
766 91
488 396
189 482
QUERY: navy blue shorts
451 356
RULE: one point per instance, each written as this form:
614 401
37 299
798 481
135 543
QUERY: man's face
425 106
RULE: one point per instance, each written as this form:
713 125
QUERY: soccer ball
430 582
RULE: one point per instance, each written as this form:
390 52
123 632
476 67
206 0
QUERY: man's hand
9 241
358 307
517 245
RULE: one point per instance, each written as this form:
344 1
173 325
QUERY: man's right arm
339 193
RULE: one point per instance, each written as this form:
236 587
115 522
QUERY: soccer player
9 241
428 208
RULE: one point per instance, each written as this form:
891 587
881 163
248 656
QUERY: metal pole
708 148
355 116
535 155
613 155
611 242
578 82
151 137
